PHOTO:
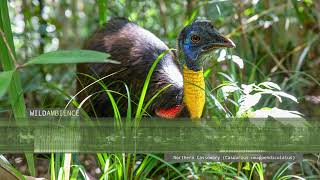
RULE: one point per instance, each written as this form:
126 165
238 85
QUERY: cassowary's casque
136 49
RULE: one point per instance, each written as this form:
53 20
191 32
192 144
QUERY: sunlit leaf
248 101
275 113
237 60
222 55
277 96
280 94
270 85
283 94
227 90
285 117
247 88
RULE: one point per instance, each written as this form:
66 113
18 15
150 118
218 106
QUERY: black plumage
136 49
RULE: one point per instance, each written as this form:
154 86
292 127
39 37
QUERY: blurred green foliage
277 41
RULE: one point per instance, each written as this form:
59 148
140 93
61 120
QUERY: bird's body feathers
136 49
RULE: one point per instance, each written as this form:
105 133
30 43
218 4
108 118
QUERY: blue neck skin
188 56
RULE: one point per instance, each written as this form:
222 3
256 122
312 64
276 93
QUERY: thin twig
7 44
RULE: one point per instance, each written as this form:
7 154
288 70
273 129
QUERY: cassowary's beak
219 42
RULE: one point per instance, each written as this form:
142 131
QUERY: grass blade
6 166
145 86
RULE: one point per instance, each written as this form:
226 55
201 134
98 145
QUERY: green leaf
71 56
5 79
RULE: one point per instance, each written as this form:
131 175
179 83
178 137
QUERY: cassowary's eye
195 38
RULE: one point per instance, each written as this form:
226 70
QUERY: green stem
7 56
102 11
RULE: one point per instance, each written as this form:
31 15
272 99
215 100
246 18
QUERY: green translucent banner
157 135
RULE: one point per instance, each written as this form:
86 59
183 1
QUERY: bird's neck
194 91
188 58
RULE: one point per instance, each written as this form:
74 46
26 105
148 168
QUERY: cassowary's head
197 43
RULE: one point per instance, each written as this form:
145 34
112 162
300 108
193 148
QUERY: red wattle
169 113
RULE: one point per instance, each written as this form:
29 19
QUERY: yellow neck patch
194 91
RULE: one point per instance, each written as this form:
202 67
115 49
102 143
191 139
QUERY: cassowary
136 49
